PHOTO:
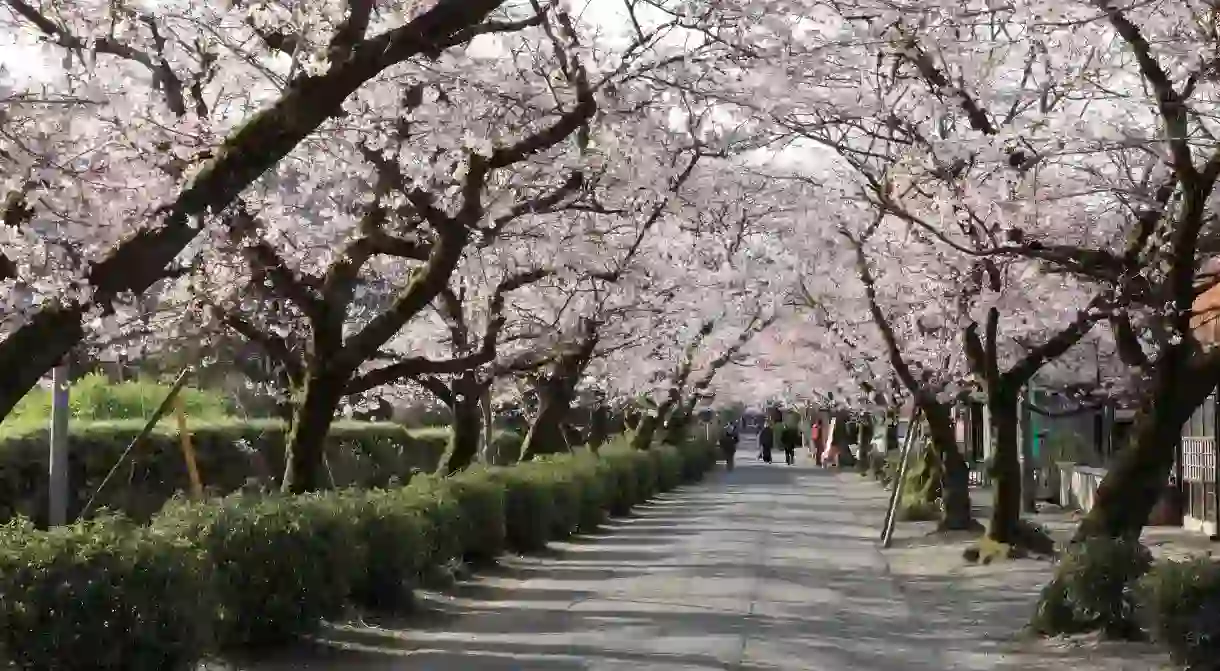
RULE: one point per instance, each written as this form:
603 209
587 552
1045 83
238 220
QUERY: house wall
1206 318
1064 437
1078 485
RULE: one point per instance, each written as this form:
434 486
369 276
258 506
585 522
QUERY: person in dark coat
789 439
728 444
766 440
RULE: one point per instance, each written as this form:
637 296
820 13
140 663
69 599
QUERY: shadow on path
769 567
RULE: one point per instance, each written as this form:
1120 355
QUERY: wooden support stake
910 440
188 450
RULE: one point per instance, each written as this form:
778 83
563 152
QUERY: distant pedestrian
728 444
766 440
789 438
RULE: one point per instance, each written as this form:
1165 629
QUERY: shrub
645 474
480 502
393 529
593 489
565 493
617 466
1092 589
252 569
923 475
668 461
448 532
280 564
698 457
100 594
1179 605
229 454
529 505
915 509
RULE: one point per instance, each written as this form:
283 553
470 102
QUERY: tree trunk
1136 481
891 433
645 431
467 424
1006 466
679 423
955 475
599 426
546 434
862 464
305 457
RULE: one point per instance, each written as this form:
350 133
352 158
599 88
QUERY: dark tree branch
454 232
1130 351
894 350
416 366
545 202
489 28
454 314
266 263
1055 347
976 354
158 66
353 28
273 345
437 387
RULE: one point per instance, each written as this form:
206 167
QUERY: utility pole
57 470
488 435
1029 465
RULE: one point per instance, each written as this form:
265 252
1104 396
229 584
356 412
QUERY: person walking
789 439
815 446
766 440
728 444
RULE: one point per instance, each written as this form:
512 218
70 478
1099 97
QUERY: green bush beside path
255 570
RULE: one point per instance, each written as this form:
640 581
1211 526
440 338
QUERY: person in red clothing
815 430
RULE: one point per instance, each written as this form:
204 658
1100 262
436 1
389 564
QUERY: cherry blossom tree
997 147
1064 168
178 108
426 216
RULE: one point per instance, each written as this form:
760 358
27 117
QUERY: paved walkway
768 568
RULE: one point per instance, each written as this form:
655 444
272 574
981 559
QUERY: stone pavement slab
767 568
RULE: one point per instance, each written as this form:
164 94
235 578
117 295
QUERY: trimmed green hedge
255 570
230 454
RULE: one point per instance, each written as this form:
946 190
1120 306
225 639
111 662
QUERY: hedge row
255 570
230 454
1116 587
